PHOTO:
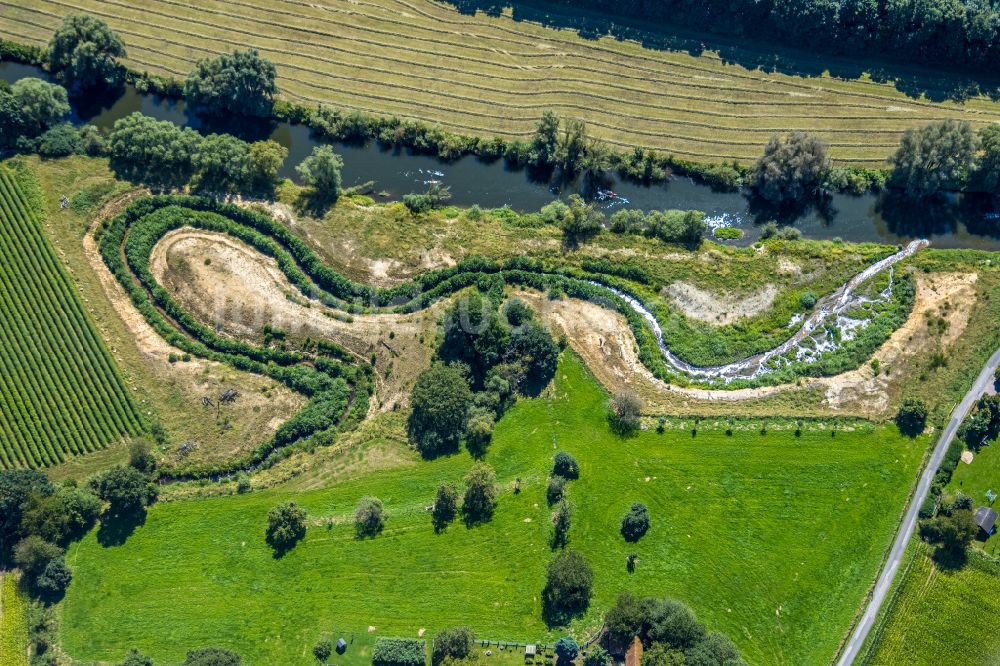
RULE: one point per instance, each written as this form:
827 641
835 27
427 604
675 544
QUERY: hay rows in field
60 392
486 75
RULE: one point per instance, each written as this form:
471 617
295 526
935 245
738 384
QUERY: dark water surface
961 221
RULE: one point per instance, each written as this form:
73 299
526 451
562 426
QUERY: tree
453 643
54 579
538 353
57 517
445 505
597 656
545 143
212 656
581 221
369 517
16 485
623 621
440 399
571 150
569 584
140 455
265 159
624 411
912 417
33 554
565 465
517 312
60 141
322 650
635 523
84 53
661 654
791 168
222 164
937 156
670 621
561 519
135 658
556 489
321 171
481 492
567 649
714 650
41 104
154 152
479 432
126 489
953 532
241 83
286 525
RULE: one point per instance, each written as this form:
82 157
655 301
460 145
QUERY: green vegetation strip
60 391
771 538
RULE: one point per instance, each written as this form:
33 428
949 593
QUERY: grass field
13 623
771 538
487 75
60 392
975 479
941 617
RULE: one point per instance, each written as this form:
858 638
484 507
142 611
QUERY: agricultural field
61 393
721 507
488 75
941 616
13 622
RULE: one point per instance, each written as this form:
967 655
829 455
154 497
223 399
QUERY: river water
959 221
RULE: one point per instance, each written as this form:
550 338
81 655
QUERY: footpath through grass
13 622
942 616
772 538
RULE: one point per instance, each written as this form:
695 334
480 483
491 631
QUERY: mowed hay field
486 75
942 616
772 539
61 393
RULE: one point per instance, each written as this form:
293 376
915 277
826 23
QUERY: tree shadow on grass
116 528
949 559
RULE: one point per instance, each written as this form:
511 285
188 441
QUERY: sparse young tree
286 525
479 432
561 519
545 144
480 494
241 84
369 517
556 489
624 411
140 455
792 168
84 53
445 505
937 156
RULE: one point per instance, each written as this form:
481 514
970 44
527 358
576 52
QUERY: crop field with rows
60 392
495 75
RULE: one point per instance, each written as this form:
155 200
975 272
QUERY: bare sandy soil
263 404
231 286
604 340
719 309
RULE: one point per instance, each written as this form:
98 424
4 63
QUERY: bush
369 517
454 643
556 489
912 417
286 525
479 433
565 465
54 579
445 505
399 652
60 141
807 300
569 585
322 650
212 656
636 522
567 649
597 656
623 412
561 519
480 493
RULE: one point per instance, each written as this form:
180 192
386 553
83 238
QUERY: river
958 221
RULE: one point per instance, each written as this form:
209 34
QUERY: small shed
986 518
341 646
529 651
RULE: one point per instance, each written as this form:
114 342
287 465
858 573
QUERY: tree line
937 32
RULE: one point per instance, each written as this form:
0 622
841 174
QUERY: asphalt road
884 582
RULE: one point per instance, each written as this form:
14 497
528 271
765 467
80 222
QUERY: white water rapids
829 310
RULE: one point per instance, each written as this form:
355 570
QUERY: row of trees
938 32
942 155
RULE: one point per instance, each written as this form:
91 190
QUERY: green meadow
772 538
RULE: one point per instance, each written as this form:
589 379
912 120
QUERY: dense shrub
556 489
912 417
369 517
455 642
212 656
635 523
60 141
399 652
565 465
